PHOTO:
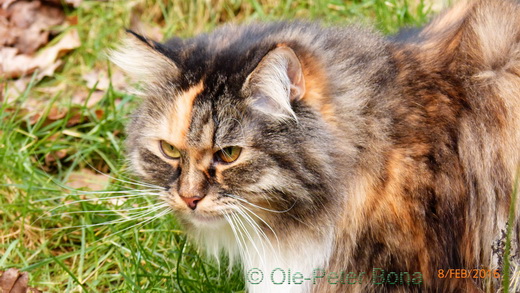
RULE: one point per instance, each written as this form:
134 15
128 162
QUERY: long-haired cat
333 159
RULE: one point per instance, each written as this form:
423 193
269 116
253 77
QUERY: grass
507 278
67 240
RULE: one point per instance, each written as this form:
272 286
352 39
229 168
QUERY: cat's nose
192 201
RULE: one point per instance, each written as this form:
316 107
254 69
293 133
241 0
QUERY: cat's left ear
144 59
276 82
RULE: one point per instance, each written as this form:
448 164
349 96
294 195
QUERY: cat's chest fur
285 263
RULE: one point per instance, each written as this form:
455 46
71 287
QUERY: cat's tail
483 36
477 45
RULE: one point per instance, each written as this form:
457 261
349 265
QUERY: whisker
149 220
87 200
229 219
115 211
259 207
128 193
263 221
248 234
119 191
240 238
122 220
132 182
254 222
258 232
108 198
138 183
231 225
142 184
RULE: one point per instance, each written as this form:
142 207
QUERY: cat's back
336 49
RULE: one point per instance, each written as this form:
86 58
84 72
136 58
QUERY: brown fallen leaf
74 3
81 97
101 81
97 78
75 119
85 178
55 156
16 112
13 64
72 19
26 25
99 113
153 32
14 88
14 281
56 113
74 115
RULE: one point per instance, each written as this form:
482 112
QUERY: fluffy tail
477 43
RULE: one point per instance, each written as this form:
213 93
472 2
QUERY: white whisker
122 220
127 193
262 237
155 217
257 206
87 200
114 211
263 221
244 251
131 182
260 229
247 234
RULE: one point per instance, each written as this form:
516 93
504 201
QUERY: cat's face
225 139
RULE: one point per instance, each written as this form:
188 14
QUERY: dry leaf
118 79
52 157
97 78
17 112
34 118
25 25
99 113
74 3
72 20
14 281
73 114
100 80
13 64
82 96
56 113
15 88
85 178
75 119
152 32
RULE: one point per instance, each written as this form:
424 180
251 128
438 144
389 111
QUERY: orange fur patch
388 205
315 85
180 120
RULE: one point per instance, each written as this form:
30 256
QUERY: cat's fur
358 152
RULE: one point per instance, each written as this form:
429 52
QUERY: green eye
169 151
229 154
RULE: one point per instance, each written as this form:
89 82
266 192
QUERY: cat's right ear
276 82
143 59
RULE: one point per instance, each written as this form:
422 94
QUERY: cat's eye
169 151
229 154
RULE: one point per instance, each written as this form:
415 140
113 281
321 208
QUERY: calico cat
333 159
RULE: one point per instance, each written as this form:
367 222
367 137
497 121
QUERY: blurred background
71 216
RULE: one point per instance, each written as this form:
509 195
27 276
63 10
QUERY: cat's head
231 126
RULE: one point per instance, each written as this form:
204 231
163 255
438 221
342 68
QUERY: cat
332 159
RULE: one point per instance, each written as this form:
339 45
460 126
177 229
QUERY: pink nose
192 201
